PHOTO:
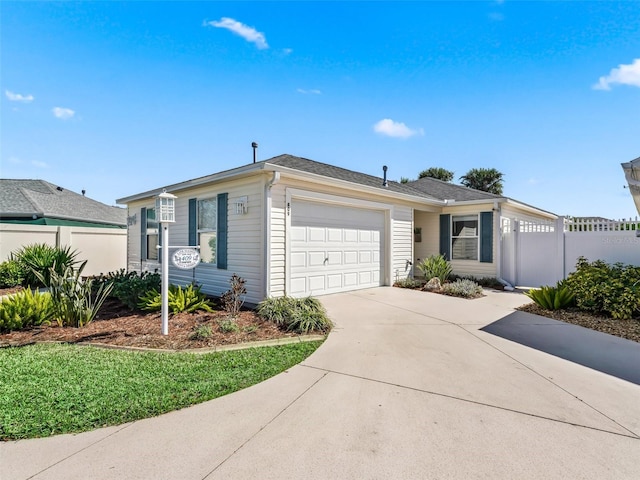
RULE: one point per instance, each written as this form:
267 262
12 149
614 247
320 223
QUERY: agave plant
552 298
74 303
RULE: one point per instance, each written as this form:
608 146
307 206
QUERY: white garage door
334 248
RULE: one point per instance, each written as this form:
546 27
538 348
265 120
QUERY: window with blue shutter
486 237
445 236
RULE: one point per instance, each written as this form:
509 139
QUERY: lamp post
166 214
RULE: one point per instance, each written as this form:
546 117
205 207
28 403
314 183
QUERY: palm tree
437 172
485 179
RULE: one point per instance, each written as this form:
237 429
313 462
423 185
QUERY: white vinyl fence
542 253
105 249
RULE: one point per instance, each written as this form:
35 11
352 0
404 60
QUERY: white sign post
165 213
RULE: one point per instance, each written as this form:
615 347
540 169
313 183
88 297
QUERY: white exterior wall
245 251
398 241
402 242
475 267
430 244
105 249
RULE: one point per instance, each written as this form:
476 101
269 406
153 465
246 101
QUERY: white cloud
250 34
15 160
623 75
395 129
313 91
17 97
287 51
39 164
63 113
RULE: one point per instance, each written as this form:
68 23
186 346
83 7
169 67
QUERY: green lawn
52 389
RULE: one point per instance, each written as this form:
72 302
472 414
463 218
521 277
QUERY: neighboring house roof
632 174
449 191
35 200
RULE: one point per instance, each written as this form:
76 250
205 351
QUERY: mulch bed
629 329
119 326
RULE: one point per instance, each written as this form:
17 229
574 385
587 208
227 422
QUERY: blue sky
121 97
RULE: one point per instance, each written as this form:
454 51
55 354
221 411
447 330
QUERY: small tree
404 180
485 179
437 173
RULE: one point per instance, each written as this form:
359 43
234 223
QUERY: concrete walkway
407 386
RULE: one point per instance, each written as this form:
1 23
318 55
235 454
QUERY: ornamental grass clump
300 315
39 260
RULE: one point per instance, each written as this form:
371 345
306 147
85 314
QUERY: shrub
462 288
435 266
228 325
408 283
486 282
11 274
299 315
201 332
129 287
603 288
232 300
552 298
25 309
74 302
189 299
39 260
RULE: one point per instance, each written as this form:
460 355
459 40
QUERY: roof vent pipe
384 180
254 145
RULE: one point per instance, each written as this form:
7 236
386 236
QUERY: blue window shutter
222 231
193 222
143 233
445 236
486 237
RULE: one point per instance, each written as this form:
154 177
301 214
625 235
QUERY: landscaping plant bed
116 325
629 329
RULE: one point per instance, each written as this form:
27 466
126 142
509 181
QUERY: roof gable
339 173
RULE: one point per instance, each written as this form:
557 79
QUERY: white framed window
152 234
207 229
464 237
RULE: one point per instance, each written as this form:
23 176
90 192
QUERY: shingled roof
38 199
331 171
448 191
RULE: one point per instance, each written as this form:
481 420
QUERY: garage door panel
335 258
334 248
298 234
351 258
298 259
334 281
316 234
317 283
334 235
316 258
350 279
298 286
364 236
350 235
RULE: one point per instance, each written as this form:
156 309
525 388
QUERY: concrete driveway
407 386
